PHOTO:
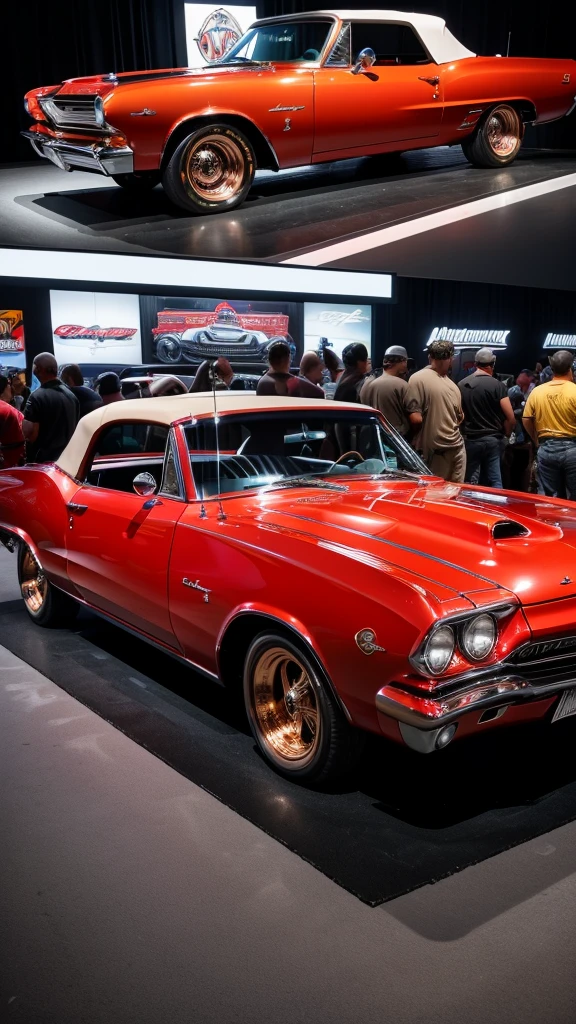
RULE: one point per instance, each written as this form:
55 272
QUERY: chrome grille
212 349
73 111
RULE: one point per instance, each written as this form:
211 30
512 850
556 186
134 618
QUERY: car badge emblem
217 35
195 585
143 113
287 124
565 581
566 80
366 640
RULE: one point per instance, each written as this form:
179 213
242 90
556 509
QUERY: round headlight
479 637
99 111
439 650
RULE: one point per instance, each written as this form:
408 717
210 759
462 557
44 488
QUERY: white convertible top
442 46
176 407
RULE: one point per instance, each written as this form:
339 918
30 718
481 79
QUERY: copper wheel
215 168
503 132
33 583
285 707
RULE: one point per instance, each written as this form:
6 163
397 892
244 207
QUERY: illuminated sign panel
560 341
465 337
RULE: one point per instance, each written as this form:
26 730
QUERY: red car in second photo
295 551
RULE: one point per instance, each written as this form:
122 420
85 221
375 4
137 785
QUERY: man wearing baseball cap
488 421
388 392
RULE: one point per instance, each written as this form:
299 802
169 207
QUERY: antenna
508 47
221 513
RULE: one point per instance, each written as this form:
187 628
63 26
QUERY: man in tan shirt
388 392
550 419
434 406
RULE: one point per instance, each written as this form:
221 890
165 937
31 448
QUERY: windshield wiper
241 60
307 481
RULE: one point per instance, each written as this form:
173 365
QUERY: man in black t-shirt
73 378
51 413
488 420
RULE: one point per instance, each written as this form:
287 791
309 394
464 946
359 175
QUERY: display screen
96 327
333 325
192 330
211 30
12 343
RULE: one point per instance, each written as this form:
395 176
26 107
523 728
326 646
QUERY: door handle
435 80
151 503
76 510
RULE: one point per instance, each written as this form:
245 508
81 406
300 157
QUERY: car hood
101 85
464 538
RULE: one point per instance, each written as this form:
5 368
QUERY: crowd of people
482 430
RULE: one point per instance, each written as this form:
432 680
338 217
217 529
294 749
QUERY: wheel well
265 155
526 110
240 634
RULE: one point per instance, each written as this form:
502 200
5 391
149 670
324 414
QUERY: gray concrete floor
127 894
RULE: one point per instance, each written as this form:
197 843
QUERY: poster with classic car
239 329
298 89
292 549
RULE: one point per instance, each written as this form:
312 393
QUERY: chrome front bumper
94 157
422 717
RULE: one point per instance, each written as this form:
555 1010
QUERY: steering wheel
311 54
350 459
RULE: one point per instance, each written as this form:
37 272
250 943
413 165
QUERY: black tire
301 753
45 604
497 139
211 170
168 348
144 181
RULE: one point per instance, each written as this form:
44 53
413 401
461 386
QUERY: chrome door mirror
144 484
366 58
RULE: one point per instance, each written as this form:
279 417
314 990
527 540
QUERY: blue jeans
557 467
484 459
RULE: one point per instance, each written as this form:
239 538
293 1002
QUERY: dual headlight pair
475 637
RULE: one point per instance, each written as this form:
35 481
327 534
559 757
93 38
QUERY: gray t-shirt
439 402
388 394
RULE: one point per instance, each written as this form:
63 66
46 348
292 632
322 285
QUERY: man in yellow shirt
550 419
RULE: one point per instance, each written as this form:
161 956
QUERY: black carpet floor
403 821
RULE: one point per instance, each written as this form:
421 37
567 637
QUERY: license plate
566 705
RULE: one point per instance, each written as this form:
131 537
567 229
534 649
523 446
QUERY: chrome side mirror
144 484
366 58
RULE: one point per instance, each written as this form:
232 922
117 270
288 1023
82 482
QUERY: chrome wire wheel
503 132
285 708
33 583
215 168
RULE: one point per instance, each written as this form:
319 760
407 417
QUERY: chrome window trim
172 447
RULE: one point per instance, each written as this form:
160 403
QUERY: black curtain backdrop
48 42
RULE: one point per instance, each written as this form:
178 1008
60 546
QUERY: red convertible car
298 89
299 553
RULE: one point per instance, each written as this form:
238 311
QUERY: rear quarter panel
482 81
33 505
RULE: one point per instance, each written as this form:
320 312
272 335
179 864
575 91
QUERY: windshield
288 43
260 450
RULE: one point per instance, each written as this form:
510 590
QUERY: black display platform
306 209
404 821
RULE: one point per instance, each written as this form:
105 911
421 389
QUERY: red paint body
332 113
325 564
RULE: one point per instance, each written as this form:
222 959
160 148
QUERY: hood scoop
505 529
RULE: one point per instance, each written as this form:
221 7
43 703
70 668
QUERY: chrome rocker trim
70 156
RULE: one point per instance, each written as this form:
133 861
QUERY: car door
397 99
119 542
